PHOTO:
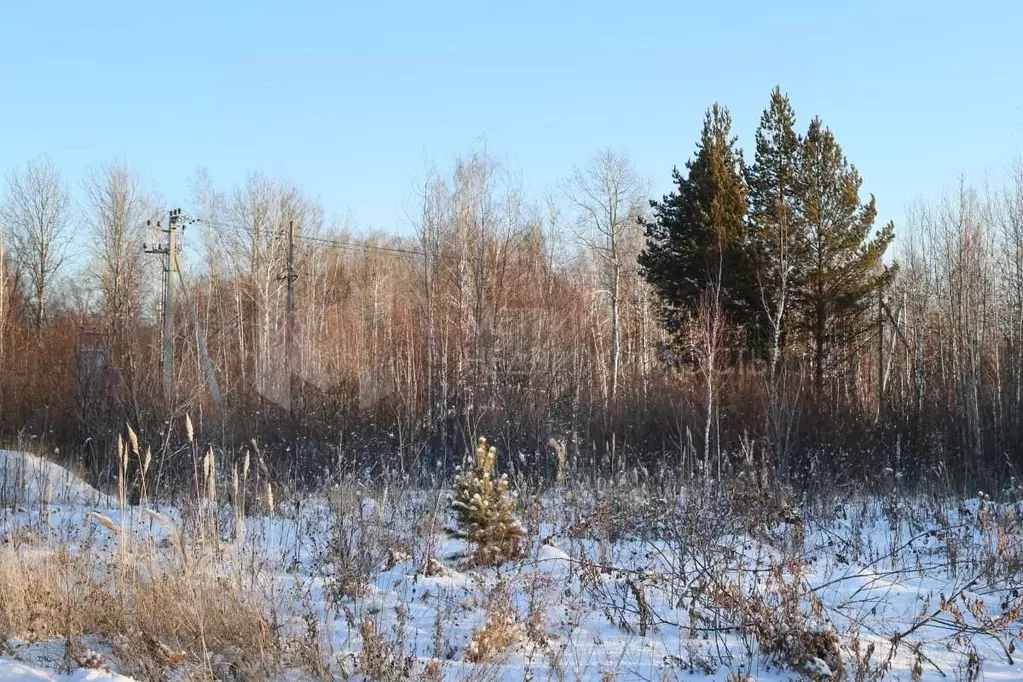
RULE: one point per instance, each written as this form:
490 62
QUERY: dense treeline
754 317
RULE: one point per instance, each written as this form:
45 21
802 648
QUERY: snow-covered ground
19 670
30 479
932 588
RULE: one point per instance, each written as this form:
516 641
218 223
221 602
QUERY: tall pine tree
694 241
776 238
843 269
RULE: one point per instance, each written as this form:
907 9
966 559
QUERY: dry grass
159 607
156 613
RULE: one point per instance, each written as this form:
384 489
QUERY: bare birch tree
607 194
117 209
432 196
1009 214
4 293
37 217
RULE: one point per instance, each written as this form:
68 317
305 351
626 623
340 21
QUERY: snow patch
11 670
28 479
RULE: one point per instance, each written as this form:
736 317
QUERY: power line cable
353 246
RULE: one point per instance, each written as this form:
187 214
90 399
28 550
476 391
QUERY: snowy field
621 582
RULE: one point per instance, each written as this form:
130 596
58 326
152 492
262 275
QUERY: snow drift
28 479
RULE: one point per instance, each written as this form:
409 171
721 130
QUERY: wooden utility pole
168 253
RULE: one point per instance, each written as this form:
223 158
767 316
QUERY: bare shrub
782 629
500 630
382 659
354 550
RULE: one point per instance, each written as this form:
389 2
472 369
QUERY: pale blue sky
348 100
